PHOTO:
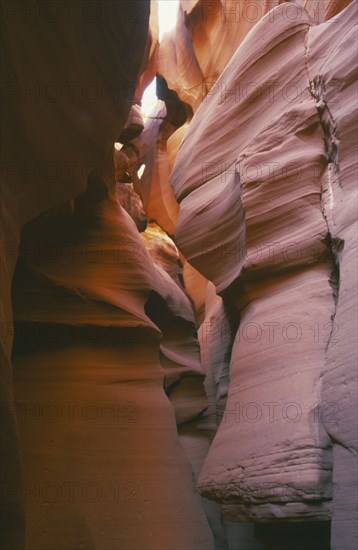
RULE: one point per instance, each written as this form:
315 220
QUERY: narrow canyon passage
179 297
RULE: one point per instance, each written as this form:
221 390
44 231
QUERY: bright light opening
149 99
118 145
167 18
140 171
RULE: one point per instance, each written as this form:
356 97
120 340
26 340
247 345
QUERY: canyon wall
262 178
98 434
65 100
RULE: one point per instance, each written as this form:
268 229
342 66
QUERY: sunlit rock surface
333 81
157 195
87 375
276 168
169 115
208 33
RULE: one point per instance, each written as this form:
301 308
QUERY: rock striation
258 211
82 380
89 386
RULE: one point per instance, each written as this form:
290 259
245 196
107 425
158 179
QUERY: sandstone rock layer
260 178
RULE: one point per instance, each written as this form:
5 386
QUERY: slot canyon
179 275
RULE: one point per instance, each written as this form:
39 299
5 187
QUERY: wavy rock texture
157 195
126 159
89 387
79 297
333 85
170 114
208 32
66 99
275 149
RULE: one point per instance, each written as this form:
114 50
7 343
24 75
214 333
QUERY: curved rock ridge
282 453
134 125
208 32
184 370
206 35
126 166
171 310
260 162
177 62
164 253
157 195
169 114
216 30
278 153
96 348
69 257
241 95
130 201
157 146
221 234
196 287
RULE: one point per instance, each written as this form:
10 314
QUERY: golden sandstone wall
192 329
